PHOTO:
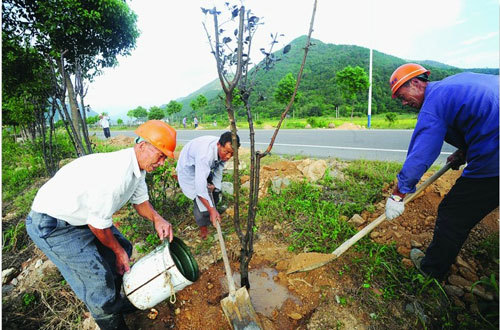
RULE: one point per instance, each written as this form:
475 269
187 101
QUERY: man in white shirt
104 121
199 169
71 219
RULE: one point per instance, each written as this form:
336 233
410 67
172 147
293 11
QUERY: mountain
319 92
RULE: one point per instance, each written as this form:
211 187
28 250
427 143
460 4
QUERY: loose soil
314 295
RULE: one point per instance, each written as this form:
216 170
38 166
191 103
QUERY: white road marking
332 147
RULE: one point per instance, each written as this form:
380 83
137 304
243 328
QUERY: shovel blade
239 311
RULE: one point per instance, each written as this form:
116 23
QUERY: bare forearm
162 226
106 237
147 211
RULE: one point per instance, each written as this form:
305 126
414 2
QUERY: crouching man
71 219
199 171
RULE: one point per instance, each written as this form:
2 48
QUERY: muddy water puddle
266 295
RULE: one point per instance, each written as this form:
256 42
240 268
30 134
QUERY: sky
172 57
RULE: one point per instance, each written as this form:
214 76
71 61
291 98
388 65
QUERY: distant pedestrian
184 121
195 121
104 122
215 123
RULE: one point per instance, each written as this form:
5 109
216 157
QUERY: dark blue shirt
463 111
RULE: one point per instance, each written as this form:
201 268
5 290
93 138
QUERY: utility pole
370 89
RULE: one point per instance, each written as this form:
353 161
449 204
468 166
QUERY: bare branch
299 76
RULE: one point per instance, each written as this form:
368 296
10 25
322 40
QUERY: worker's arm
162 226
106 237
425 146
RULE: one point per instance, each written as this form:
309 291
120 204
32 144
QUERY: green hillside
320 93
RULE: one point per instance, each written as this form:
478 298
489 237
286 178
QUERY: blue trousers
86 264
467 203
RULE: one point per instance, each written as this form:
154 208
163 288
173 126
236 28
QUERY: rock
474 308
421 216
313 170
457 302
331 125
462 263
38 263
8 275
459 281
407 263
6 289
398 234
479 291
227 187
14 281
468 274
356 220
210 286
429 219
89 324
177 311
455 291
374 234
295 316
469 297
404 251
415 244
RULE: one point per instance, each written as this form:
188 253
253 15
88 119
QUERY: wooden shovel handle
229 275
363 232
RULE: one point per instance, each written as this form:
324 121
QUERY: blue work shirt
463 111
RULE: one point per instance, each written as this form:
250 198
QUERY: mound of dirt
121 140
350 126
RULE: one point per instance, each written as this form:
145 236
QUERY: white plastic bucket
161 273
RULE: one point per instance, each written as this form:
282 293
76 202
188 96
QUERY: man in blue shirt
463 111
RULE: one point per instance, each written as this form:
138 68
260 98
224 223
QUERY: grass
314 222
313 219
378 121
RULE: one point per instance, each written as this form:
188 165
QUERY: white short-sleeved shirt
193 167
104 122
91 188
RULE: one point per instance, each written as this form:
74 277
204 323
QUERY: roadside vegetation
388 120
312 217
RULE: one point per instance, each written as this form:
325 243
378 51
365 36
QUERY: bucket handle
168 277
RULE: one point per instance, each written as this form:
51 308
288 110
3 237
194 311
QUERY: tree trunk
75 113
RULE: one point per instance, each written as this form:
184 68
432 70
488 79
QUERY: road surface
373 144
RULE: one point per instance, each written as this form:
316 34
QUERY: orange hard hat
159 134
404 73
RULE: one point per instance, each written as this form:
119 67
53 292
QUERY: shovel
237 306
305 261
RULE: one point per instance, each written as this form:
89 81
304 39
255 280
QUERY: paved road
385 145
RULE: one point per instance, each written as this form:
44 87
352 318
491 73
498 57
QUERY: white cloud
173 58
479 38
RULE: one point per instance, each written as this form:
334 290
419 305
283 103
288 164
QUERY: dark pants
107 133
203 218
85 263
467 203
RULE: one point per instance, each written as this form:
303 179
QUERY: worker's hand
394 207
164 229
456 159
122 262
214 215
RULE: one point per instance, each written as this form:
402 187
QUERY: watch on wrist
396 198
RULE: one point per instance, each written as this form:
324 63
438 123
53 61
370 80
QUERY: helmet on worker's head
404 73
159 134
